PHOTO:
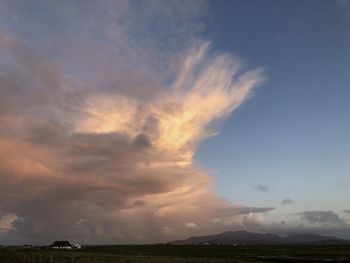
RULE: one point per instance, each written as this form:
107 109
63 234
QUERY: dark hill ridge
244 237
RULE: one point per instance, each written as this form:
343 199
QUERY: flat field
172 254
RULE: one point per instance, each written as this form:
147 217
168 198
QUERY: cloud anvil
85 162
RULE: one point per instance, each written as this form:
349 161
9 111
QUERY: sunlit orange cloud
119 168
203 92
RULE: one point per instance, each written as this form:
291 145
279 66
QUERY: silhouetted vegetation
172 253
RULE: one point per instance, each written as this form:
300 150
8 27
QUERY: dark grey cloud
244 210
322 218
347 211
287 201
248 210
263 188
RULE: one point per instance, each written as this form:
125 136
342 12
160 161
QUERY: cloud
251 210
322 218
6 222
253 221
263 188
97 143
191 225
287 201
347 211
298 227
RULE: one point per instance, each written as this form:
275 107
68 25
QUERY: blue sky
107 110
293 133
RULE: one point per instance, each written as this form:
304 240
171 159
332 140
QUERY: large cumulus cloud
103 152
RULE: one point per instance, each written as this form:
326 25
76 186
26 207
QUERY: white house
61 245
76 246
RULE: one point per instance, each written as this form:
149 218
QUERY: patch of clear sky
293 134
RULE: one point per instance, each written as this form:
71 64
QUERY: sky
148 121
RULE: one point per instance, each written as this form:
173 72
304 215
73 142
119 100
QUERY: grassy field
174 254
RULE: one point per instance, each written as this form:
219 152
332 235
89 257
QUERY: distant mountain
309 238
248 238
